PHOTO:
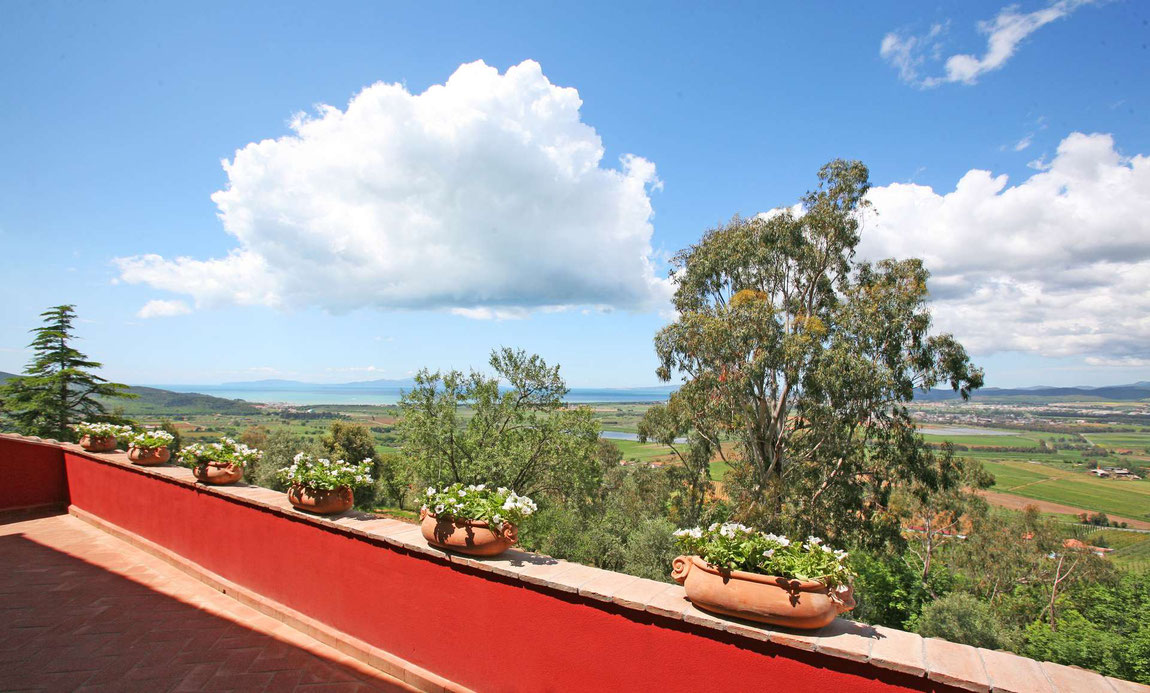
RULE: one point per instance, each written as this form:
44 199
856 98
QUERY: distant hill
154 401
1108 393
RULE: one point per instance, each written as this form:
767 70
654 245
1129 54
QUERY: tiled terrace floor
82 610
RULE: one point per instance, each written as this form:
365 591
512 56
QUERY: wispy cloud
1004 33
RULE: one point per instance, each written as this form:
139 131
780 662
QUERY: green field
1013 441
1138 442
1072 487
1006 477
641 452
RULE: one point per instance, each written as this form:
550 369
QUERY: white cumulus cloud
163 309
1003 34
485 196
1056 265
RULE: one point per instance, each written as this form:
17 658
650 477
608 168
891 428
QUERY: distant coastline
334 394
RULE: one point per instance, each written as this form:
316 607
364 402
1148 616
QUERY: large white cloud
1057 265
484 196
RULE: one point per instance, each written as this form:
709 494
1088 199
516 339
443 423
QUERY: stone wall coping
940 661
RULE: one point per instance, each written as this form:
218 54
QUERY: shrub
960 617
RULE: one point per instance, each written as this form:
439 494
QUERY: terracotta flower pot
217 473
471 537
321 501
149 457
98 444
803 604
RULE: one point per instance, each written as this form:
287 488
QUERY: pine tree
58 387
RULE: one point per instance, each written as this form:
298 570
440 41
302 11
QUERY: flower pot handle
510 532
679 569
844 601
422 513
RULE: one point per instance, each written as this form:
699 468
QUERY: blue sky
117 116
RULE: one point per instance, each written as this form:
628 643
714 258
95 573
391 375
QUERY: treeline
1039 450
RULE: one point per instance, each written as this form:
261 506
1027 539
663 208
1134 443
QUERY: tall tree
672 425
58 387
808 359
466 428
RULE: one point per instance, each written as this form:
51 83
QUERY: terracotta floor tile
82 610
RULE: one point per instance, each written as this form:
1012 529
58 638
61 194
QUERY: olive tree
807 359
469 429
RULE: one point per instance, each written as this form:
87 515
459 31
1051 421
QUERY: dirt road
1005 500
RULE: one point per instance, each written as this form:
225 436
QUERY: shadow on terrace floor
80 610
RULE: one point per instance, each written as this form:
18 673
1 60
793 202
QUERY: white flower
814 541
438 508
769 552
431 491
840 554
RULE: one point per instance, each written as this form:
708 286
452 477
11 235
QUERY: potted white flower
473 519
738 571
324 486
99 437
218 463
150 447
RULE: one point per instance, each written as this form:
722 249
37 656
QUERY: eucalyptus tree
807 360
466 428
58 387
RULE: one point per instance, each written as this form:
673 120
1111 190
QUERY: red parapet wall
480 630
31 475
511 624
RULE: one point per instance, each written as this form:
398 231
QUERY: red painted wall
31 475
481 631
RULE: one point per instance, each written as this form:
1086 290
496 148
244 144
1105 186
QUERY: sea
391 395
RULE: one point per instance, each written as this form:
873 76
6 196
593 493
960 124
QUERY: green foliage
349 442
320 473
1104 626
732 546
808 360
58 387
608 454
172 429
392 481
669 425
888 591
623 527
522 438
278 452
960 617
478 502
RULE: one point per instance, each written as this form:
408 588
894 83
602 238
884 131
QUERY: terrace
120 577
